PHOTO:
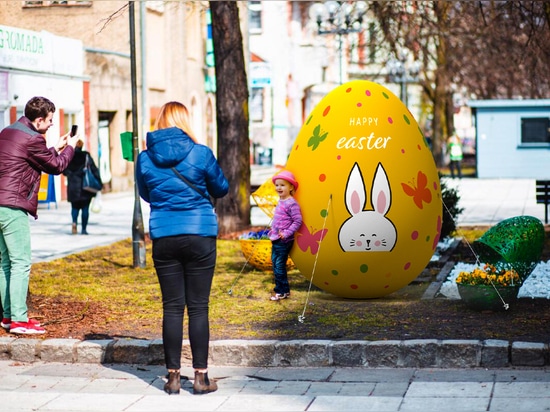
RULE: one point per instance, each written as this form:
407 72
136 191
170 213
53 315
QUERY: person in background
287 219
23 156
177 176
79 198
455 153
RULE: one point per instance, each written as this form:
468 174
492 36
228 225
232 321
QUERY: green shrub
451 211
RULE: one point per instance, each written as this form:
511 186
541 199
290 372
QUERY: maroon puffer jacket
23 156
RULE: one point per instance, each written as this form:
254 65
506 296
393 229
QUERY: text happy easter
363 142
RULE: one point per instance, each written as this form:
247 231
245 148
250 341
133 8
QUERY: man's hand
72 140
62 142
66 140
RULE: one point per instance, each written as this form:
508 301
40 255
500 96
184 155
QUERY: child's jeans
279 256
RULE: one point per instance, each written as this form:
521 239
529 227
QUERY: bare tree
422 30
485 49
232 115
506 49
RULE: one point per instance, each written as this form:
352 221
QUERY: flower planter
485 297
258 254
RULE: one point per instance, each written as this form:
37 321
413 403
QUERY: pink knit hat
286 175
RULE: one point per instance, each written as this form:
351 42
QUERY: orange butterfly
420 193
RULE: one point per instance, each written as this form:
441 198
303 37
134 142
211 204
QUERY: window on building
255 16
48 3
535 130
257 104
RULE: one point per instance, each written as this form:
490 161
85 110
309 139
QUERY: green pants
15 262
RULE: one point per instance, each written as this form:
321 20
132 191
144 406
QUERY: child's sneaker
279 296
6 323
26 328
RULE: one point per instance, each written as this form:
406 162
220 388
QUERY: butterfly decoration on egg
369 193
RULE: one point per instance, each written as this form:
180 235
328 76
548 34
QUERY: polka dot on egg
359 104
367 92
414 235
407 266
325 112
348 90
390 120
322 177
354 286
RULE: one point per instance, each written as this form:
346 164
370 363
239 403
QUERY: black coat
75 174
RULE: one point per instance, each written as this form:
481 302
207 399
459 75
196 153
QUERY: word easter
369 143
361 121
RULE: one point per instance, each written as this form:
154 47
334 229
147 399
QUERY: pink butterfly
305 239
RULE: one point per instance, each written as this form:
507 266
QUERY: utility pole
138 230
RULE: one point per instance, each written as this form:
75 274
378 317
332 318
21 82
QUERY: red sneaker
6 323
26 328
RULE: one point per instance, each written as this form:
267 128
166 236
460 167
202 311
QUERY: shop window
535 130
255 16
257 104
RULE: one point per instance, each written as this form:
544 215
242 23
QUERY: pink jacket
287 219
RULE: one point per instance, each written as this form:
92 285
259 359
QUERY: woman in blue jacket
177 176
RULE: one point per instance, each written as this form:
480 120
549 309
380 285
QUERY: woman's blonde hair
174 114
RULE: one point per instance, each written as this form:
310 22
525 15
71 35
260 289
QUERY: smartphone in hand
74 129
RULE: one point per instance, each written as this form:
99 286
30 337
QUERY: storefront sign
40 52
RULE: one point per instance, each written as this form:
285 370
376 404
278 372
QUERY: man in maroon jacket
23 157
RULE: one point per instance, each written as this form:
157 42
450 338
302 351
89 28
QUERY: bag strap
178 174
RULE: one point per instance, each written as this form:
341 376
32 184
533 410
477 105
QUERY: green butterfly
317 138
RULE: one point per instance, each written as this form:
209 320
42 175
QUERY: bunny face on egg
367 230
369 193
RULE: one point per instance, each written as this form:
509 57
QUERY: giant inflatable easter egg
369 193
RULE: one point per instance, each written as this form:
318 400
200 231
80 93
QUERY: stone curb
415 353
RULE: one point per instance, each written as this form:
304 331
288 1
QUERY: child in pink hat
287 219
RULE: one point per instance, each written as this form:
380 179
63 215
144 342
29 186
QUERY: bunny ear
355 191
381 193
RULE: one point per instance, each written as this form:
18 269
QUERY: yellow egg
369 192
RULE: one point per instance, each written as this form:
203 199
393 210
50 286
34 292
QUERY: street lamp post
138 230
340 18
403 73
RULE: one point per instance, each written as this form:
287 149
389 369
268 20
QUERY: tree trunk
232 116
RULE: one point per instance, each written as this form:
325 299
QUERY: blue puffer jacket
176 208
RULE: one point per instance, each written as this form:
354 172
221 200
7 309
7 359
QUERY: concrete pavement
76 387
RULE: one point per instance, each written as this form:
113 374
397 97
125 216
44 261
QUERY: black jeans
185 268
279 256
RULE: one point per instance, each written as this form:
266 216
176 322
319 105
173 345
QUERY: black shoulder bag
178 174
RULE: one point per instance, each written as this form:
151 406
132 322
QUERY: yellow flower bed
489 275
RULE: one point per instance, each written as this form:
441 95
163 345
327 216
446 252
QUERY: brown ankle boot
202 384
174 383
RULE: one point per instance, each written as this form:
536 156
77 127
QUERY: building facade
78 54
